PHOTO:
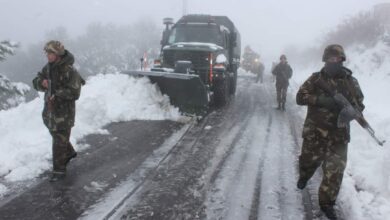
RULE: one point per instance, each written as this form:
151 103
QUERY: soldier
324 142
61 83
259 70
282 73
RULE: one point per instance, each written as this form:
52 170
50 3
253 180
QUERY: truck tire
221 92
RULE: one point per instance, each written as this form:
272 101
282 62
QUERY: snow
221 58
196 44
208 127
25 144
7 47
21 87
12 93
365 192
3 189
95 186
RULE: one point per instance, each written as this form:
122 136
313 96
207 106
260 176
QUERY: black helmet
333 50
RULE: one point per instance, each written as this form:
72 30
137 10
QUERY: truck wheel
221 92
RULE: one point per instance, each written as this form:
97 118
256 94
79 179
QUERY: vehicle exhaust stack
168 22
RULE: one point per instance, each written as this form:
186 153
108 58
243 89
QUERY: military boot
70 156
329 212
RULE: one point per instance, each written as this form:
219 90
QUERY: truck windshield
196 33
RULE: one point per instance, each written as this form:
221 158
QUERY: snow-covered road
257 179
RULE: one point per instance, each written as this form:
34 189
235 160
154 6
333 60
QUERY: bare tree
365 28
100 48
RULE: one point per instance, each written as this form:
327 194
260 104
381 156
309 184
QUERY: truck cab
204 45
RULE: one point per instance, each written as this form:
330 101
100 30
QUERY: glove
346 115
326 102
340 100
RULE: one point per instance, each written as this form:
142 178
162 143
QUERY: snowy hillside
11 93
365 192
104 99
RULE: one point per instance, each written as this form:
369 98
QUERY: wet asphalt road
108 161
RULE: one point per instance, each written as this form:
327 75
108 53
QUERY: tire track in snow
236 128
290 197
256 196
269 206
279 198
232 192
295 129
234 187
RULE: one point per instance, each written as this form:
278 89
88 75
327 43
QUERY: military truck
249 60
198 63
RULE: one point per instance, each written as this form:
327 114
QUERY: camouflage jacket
283 73
65 86
322 120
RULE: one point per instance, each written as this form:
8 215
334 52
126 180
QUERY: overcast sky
267 26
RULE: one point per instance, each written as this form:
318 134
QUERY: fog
267 26
109 36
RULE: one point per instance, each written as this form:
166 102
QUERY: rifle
49 100
348 112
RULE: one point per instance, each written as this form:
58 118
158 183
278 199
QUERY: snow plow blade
185 91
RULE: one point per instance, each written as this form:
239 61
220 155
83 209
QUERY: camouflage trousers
332 155
62 149
281 93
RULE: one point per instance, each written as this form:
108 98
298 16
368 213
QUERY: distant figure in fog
282 73
61 83
259 70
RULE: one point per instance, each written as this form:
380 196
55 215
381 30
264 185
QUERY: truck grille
199 59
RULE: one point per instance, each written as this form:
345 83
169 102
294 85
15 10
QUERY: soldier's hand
346 115
45 83
326 102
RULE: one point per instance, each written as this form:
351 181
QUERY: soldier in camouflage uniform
324 143
61 83
282 73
